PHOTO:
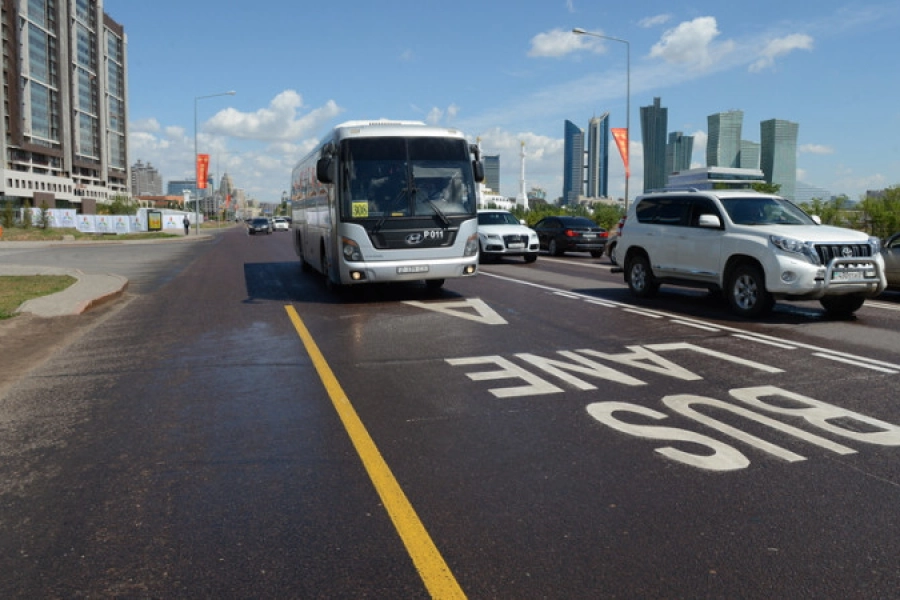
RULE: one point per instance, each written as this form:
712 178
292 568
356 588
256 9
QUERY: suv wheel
842 307
640 278
747 294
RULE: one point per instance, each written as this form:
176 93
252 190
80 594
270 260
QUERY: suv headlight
876 245
794 246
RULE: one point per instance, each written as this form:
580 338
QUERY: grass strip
16 289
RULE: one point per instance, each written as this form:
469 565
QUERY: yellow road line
435 573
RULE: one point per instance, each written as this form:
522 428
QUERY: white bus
387 201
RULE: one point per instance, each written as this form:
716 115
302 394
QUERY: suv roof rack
664 190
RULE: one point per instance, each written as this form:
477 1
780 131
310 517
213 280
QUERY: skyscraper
778 157
598 157
749 158
678 153
145 180
654 123
63 138
723 146
573 163
492 172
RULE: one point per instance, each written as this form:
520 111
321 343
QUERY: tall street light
581 31
196 179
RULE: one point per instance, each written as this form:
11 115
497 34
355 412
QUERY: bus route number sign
360 210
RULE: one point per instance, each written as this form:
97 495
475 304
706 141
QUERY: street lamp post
196 178
580 31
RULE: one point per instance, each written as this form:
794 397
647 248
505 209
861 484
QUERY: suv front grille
828 252
515 239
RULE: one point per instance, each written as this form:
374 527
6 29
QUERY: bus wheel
329 285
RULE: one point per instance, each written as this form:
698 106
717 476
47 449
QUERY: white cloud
560 42
654 21
780 47
278 121
816 149
439 116
150 125
692 43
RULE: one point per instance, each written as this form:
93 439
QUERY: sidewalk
90 290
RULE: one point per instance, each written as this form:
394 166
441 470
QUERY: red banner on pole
621 136
202 170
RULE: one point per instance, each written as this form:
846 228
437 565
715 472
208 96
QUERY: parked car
259 225
280 224
890 251
559 235
756 248
501 234
612 242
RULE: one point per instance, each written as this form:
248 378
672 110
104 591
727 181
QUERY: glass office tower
654 125
598 157
573 163
778 156
723 146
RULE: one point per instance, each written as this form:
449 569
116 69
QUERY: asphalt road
230 429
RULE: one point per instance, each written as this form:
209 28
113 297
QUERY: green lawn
16 289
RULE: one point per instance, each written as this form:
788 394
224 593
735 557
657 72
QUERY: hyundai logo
846 251
414 239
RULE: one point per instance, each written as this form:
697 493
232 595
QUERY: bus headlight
471 245
351 250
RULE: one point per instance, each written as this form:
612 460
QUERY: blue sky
509 72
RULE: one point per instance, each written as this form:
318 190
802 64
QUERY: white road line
856 363
760 340
816 350
695 325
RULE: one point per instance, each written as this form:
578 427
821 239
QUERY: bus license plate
412 269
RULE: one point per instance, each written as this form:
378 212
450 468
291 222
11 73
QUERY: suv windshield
497 218
765 210
399 177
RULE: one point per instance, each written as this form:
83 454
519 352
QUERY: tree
118 205
26 214
883 213
8 216
44 219
766 188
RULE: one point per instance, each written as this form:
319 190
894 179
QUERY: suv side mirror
709 221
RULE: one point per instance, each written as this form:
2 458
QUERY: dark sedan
259 225
559 235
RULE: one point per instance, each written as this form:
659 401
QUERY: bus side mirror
478 170
325 170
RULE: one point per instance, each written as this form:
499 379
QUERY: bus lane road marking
473 309
766 405
429 563
527 374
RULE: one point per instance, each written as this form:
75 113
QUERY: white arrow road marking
473 309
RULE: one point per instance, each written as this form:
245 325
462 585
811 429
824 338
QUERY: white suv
501 234
755 247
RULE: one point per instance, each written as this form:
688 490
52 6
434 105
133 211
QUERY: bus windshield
388 177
